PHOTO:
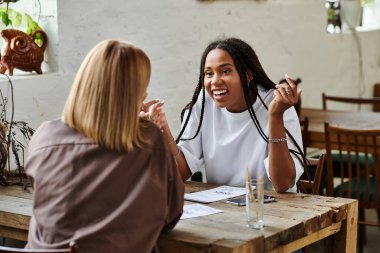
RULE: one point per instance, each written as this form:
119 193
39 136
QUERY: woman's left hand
285 96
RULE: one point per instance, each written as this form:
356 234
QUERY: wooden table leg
346 239
14 233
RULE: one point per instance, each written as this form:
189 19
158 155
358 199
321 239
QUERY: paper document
216 194
197 210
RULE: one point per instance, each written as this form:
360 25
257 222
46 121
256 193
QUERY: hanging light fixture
334 23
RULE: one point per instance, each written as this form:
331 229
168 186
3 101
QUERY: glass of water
254 199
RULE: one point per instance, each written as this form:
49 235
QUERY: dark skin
284 97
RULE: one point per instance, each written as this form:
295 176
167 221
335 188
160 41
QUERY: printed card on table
197 210
215 194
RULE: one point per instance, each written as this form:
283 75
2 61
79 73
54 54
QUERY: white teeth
219 92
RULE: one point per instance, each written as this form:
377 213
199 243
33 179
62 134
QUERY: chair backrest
353 145
73 248
304 123
349 100
316 167
376 93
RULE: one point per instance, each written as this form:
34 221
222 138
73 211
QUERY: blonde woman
103 176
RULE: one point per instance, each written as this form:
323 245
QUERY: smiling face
222 81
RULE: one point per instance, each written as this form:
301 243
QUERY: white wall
288 36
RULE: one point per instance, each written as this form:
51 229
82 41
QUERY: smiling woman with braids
244 120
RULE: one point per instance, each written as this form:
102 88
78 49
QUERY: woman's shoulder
58 128
56 123
56 132
49 128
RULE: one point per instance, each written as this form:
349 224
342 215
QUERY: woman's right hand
153 111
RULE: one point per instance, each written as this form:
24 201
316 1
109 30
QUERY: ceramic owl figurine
21 52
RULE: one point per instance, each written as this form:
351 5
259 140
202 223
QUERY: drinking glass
254 199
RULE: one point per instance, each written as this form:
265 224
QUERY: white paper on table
197 210
215 194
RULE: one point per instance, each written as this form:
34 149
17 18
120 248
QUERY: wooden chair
304 131
349 100
361 184
375 101
376 93
197 177
73 248
316 167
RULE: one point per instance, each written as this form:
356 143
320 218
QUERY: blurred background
298 37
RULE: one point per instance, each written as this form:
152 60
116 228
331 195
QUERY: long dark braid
251 75
197 91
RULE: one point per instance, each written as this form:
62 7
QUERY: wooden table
15 212
318 117
293 221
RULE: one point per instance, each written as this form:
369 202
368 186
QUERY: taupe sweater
107 201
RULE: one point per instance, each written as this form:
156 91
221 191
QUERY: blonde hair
105 98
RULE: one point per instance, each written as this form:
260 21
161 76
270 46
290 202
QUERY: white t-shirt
228 143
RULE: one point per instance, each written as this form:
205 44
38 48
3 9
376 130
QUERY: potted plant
11 18
14 135
24 40
14 138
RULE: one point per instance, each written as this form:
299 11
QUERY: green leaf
366 2
16 21
38 36
12 13
8 15
5 19
38 39
31 25
3 16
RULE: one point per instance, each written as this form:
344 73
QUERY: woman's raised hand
153 111
285 96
